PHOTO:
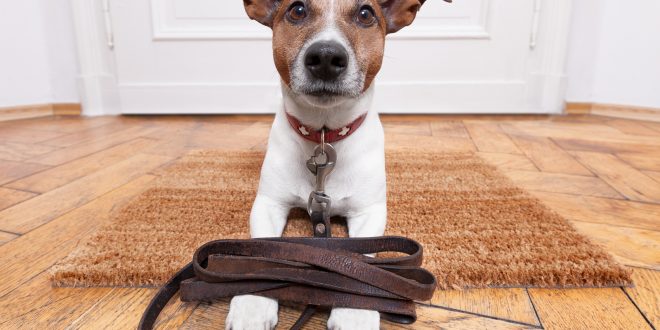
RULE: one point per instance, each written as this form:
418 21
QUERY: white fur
357 185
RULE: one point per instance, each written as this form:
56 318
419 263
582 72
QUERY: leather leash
317 272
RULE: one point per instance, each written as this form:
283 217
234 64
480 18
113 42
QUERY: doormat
477 228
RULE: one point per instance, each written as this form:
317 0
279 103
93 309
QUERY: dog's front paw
251 313
352 319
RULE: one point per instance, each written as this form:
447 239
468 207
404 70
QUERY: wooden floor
61 177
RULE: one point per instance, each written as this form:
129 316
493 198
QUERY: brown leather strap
327 272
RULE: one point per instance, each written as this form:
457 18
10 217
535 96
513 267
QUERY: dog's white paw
251 313
353 319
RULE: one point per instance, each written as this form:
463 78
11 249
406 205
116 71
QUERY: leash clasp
321 164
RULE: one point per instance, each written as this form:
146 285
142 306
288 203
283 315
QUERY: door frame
98 87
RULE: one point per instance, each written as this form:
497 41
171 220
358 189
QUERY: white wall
614 53
38 60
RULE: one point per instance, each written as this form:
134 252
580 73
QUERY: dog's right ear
262 11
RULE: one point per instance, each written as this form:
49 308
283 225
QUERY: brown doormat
477 228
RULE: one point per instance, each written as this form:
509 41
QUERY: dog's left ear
262 11
400 13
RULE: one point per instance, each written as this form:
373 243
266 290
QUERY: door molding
546 81
165 27
97 83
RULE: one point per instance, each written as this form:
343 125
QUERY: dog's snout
326 60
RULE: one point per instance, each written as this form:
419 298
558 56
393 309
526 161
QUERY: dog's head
330 50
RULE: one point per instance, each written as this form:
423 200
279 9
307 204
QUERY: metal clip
321 164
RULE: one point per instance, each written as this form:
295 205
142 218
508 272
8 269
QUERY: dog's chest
353 184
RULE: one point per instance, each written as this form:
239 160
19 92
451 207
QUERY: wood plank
437 318
68 154
430 143
638 115
586 309
630 182
6 237
35 212
11 170
547 156
655 175
630 246
646 293
212 316
603 210
259 130
563 183
93 133
15 151
120 309
449 128
9 197
508 162
24 112
17 133
488 137
580 131
65 124
55 240
642 161
652 125
37 305
407 127
175 313
632 127
58 176
507 304
218 139
603 146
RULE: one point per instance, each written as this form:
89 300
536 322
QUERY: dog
327 53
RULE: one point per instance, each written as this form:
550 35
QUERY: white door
470 56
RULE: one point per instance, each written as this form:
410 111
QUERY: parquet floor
60 177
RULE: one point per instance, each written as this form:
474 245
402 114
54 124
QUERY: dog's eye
297 12
366 16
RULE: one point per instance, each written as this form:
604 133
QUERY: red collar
331 136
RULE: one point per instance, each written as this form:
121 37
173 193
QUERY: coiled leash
317 272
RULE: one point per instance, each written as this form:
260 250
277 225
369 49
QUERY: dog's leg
267 219
370 223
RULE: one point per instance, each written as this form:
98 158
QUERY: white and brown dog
327 53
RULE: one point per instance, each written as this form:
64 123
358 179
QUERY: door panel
206 56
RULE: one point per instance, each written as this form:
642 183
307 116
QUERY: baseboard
67 109
40 110
577 108
613 110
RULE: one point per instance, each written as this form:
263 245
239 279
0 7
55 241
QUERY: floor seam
536 313
638 309
535 326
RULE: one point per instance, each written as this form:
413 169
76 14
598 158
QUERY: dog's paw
352 319
251 313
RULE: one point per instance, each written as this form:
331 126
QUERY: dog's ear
400 13
262 11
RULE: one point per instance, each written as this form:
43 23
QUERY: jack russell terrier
327 53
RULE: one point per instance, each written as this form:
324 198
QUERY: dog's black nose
326 60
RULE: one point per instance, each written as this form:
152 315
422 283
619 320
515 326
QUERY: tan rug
478 230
